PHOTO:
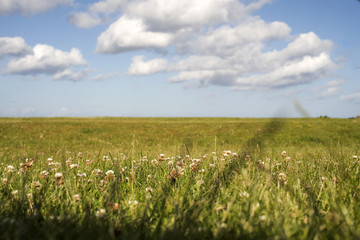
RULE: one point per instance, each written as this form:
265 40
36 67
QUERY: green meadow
179 178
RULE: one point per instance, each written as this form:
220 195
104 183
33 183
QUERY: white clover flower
162 155
201 170
58 175
97 172
149 189
170 163
212 166
10 169
4 180
244 194
14 192
110 174
100 213
76 197
155 162
355 157
149 177
72 166
105 158
283 153
49 160
44 174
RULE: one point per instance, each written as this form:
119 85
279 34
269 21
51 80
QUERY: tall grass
194 190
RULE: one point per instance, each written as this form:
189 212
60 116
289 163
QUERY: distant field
146 178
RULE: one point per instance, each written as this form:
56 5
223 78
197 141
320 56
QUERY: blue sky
170 58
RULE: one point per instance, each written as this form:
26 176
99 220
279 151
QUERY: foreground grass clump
112 178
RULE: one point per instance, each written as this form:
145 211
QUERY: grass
194 191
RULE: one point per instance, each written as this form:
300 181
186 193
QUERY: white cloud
29 7
353 97
102 77
140 67
70 75
13 46
215 42
335 83
84 19
130 34
45 59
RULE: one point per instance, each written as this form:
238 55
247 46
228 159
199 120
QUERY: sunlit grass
114 178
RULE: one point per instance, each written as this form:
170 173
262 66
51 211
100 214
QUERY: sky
188 58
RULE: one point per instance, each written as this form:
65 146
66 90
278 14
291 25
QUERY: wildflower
4 180
82 175
110 175
287 159
193 167
72 166
170 163
355 157
247 158
27 165
105 158
116 206
283 154
175 173
155 162
213 153
10 168
14 192
88 162
201 170
282 178
36 184
76 197
212 166
80 155
69 161
180 164
58 178
97 172
100 213
149 177
262 218
44 174
244 194
323 179
200 182
49 160
149 190
226 153
162 155
53 165
234 154
205 156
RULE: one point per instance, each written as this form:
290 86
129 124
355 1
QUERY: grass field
194 178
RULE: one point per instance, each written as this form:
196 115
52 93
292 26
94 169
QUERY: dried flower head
283 154
88 162
58 178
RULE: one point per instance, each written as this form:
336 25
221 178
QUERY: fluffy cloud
130 34
98 13
45 59
13 46
42 59
29 7
215 43
69 75
140 67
